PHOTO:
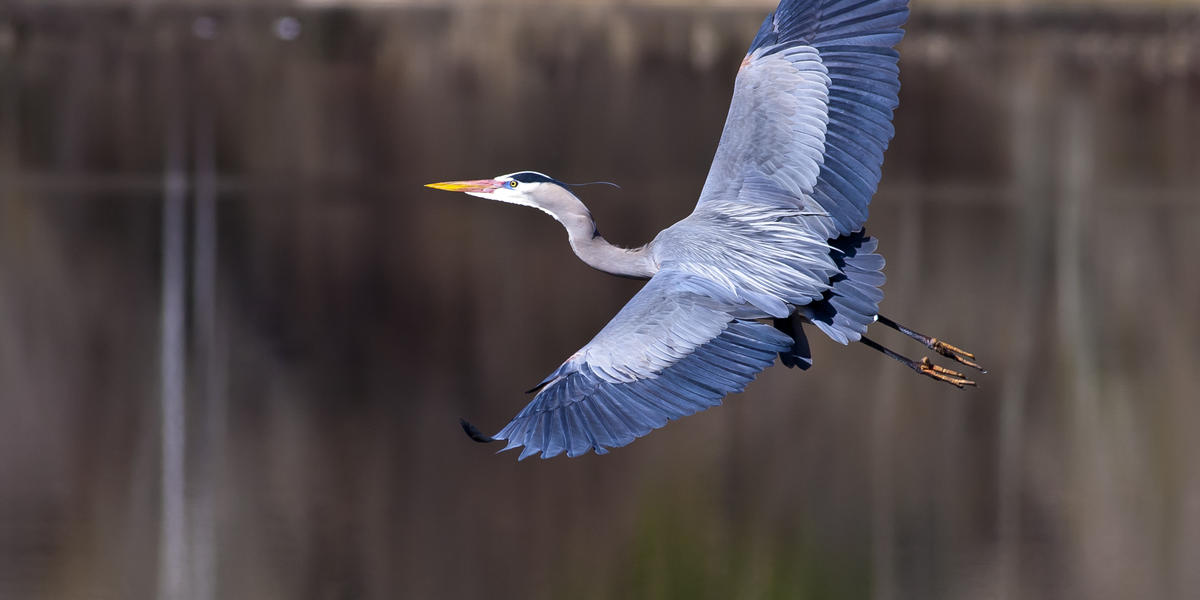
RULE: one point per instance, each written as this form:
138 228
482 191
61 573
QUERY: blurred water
1040 206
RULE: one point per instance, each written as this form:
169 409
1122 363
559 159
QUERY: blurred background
236 333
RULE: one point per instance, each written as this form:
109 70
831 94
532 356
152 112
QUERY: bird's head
527 188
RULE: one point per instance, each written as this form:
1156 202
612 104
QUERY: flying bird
776 241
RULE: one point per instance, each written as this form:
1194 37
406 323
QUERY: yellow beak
478 185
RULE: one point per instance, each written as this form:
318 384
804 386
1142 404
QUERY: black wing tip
474 433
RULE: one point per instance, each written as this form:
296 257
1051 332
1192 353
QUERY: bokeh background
236 333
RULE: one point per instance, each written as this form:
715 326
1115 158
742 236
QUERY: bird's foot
948 350
924 366
954 353
952 377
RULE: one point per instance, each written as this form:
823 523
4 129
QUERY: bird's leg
924 366
947 350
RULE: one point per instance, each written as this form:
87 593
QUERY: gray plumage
776 239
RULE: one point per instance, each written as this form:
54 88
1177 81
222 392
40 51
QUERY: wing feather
678 347
811 112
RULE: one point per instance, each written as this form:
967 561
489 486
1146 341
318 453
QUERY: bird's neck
593 249
599 254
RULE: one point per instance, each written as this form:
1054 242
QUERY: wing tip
474 433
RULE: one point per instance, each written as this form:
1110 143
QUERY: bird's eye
512 183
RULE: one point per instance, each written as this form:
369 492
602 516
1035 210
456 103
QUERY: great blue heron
776 241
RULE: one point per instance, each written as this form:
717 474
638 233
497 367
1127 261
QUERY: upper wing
812 111
678 347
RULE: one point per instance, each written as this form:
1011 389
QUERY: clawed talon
954 353
949 351
927 368
924 366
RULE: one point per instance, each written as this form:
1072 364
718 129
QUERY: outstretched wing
679 346
812 111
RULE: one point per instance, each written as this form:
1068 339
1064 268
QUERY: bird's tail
852 302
